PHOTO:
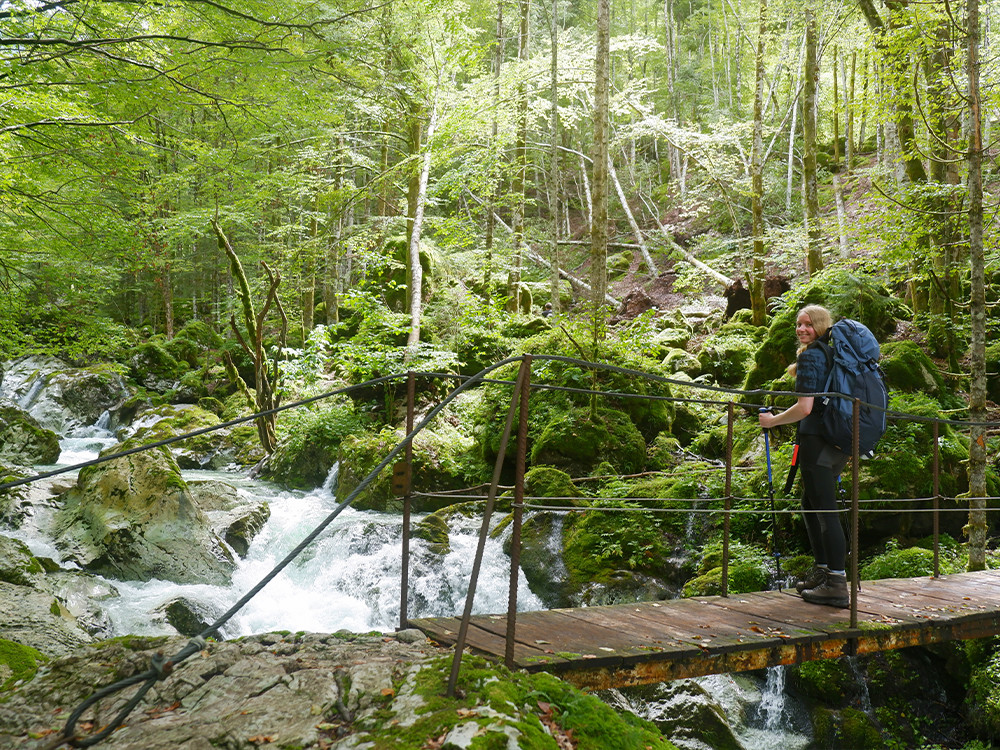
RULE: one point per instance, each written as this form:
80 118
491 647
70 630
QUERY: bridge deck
645 642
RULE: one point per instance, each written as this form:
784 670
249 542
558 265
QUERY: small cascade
28 398
772 699
86 443
348 578
864 697
330 483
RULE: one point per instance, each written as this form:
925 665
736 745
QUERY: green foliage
598 542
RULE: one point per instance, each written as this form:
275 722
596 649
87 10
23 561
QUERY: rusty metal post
515 539
463 629
855 502
937 502
730 419
404 578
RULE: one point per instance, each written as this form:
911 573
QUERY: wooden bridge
647 642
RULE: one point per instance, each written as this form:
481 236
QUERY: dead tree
267 396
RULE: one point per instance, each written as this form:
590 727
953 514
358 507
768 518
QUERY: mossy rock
829 681
679 360
577 441
993 372
662 453
434 530
727 353
541 558
743 578
153 367
846 295
671 338
392 279
443 459
17 565
908 368
23 440
849 727
310 444
18 663
553 484
200 333
619 264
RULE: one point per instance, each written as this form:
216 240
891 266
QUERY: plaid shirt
811 371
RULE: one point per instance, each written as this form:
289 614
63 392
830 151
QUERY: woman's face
804 329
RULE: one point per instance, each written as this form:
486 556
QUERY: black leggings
820 466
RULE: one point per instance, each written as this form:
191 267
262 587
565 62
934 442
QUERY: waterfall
28 398
772 699
348 578
864 697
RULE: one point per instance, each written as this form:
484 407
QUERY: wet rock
134 518
62 398
23 440
37 619
189 617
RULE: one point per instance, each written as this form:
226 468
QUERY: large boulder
37 619
214 449
577 441
134 518
64 398
23 440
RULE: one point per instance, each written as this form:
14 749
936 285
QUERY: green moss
549 482
825 680
492 698
576 441
20 661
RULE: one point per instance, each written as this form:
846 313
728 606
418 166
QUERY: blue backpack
853 355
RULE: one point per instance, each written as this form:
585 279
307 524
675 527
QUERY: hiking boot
813 578
832 592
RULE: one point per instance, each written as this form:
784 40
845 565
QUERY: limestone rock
23 440
134 518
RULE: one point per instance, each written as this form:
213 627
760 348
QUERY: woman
819 462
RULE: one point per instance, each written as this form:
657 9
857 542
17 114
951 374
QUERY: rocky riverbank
311 690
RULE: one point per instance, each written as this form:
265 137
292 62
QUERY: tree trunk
521 157
554 182
494 129
756 281
977 305
636 232
814 256
416 273
599 211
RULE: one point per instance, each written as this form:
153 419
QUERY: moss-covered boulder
155 368
846 295
578 440
727 353
392 278
993 372
214 449
908 368
552 484
310 444
23 440
17 565
434 530
134 518
444 458
678 360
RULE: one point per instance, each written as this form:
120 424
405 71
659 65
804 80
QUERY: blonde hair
822 321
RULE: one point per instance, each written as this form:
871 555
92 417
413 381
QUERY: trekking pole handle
767 445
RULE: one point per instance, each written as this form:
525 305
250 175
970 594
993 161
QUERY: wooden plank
631 644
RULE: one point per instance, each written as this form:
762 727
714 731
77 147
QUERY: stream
349 579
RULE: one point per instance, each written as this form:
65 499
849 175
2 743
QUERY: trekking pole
842 499
770 490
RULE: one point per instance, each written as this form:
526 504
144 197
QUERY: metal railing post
463 629
730 419
404 578
855 502
937 502
515 539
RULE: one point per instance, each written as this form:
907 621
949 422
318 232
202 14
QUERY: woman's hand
799 410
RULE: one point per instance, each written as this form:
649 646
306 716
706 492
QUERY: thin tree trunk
977 305
814 256
599 222
554 159
416 280
494 129
636 232
757 302
845 245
